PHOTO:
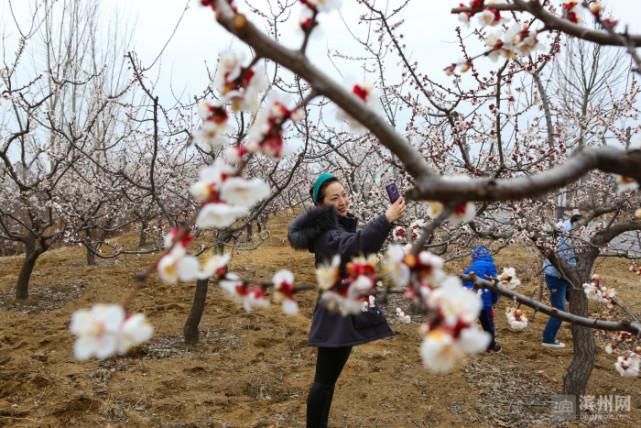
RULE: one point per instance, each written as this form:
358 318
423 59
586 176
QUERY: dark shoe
497 348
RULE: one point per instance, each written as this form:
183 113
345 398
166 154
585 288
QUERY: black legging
329 363
487 322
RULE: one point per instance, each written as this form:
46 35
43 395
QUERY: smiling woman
329 230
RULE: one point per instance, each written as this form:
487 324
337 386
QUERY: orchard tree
53 116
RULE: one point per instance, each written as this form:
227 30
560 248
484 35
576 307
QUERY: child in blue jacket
483 267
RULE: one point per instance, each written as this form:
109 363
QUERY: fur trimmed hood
307 227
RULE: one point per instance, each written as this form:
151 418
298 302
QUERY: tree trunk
575 379
250 232
30 257
91 255
142 238
190 330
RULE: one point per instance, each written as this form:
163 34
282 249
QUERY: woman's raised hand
395 210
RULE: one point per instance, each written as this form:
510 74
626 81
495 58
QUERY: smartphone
392 192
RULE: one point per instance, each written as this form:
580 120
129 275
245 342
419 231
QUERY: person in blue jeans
483 267
557 285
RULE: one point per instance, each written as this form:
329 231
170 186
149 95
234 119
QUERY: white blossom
244 193
473 340
176 266
255 299
214 265
455 302
281 277
211 135
230 284
508 278
327 274
628 365
402 316
336 303
397 271
135 330
516 319
229 68
439 352
104 331
218 215
290 307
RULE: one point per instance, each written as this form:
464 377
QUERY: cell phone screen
392 192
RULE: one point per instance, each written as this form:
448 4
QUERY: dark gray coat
322 232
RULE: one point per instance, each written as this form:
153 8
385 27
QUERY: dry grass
254 369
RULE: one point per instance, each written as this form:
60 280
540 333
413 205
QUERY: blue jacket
326 234
565 250
483 266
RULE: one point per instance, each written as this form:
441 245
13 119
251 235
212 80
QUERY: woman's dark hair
321 190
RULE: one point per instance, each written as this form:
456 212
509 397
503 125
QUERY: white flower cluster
239 85
176 265
629 364
516 319
105 330
508 279
284 291
511 40
212 132
455 334
575 12
327 274
250 297
519 39
452 333
402 316
410 233
595 291
226 197
347 297
266 134
254 296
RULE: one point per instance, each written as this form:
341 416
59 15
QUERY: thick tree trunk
22 286
190 330
577 375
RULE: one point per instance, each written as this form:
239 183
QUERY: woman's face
336 196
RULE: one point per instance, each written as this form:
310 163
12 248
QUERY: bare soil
255 369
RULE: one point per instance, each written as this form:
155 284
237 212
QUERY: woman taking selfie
327 230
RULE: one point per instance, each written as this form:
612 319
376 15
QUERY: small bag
372 317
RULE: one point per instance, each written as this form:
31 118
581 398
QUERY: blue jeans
558 287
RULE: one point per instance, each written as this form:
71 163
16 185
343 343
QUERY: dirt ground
255 369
